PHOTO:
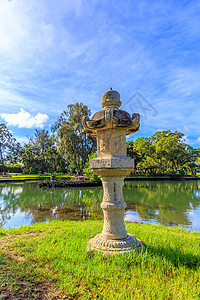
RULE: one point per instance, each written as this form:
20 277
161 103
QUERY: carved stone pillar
111 126
113 208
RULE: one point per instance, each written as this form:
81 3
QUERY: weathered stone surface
111 127
111 116
112 162
111 142
101 244
99 115
113 208
111 99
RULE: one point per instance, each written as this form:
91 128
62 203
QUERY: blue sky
53 53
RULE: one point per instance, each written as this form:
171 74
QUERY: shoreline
97 183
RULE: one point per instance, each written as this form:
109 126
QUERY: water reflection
40 205
167 203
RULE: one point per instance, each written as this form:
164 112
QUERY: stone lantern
111 126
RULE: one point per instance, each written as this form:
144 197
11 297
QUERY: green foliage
69 148
74 144
12 168
9 148
165 151
87 171
41 154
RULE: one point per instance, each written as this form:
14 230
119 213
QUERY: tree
41 154
30 159
165 150
133 153
87 171
74 144
7 145
54 161
15 154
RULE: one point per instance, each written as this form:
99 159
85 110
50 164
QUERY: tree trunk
1 155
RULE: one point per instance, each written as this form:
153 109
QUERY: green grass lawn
50 260
18 176
23 177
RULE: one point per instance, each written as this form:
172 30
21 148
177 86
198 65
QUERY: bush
87 171
15 168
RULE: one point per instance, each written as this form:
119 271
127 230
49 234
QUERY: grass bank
49 261
24 177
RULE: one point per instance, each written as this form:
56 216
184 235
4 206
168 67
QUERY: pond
165 202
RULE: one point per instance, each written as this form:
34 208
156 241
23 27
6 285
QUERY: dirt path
17 282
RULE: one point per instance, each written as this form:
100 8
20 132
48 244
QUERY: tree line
164 152
68 147
64 149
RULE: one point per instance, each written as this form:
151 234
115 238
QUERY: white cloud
185 140
23 119
22 140
198 139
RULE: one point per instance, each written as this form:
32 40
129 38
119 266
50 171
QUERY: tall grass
56 252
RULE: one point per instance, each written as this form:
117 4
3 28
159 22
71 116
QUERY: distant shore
66 180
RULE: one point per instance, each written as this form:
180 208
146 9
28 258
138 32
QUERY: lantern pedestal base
108 246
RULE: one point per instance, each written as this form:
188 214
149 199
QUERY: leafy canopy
74 144
41 154
9 148
164 150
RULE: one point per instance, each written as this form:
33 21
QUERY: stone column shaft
113 208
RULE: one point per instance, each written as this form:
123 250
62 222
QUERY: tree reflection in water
41 205
165 202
